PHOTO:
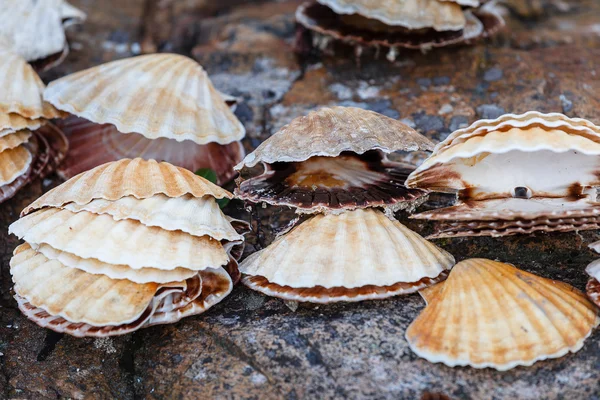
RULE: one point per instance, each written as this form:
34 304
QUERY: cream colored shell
14 163
331 131
76 295
11 123
491 314
95 266
157 95
196 216
353 249
139 178
125 242
22 89
13 140
412 14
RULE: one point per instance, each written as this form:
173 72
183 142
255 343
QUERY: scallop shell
331 131
14 163
13 140
97 267
216 285
34 29
22 89
495 164
351 250
196 216
595 246
156 95
125 242
93 144
137 177
491 314
11 123
411 14
76 295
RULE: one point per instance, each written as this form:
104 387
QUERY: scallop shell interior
158 96
353 250
539 318
14 162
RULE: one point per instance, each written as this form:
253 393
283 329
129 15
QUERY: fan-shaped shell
13 140
14 163
93 144
216 285
350 250
22 89
491 314
11 123
156 95
196 216
137 177
331 131
412 14
124 242
97 267
76 295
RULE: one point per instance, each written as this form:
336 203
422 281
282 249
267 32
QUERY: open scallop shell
93 144
544 163
124 242
196 216
491 314
216 285
353 250
333 158
22 89
137 177
14 163
94 266
13 140
411 14
156 95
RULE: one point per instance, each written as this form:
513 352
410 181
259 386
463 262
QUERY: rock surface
254 347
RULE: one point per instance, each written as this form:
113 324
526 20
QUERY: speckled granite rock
253 347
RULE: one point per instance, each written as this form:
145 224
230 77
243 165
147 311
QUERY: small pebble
493 74
446 109
567 105
489 111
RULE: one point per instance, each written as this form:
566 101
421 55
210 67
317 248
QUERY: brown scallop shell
93 144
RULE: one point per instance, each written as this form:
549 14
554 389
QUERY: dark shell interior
94 144
321 19
345 182
320 294
593 291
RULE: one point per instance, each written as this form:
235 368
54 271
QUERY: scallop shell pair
515 174
159 106
334 162
36 29
491 314
28 147
392 24
126 245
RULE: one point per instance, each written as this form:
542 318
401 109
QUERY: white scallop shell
124 242
156 95
11 123
14 163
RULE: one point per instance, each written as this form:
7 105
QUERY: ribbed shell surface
353 249
491 314
13 140
14 163
125 242
11 123
156 95
137 177
331 131
412 14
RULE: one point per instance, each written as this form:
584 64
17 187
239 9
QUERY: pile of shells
392 25
126 245
333 162
491 314
30 147
35 29
159 106
515 174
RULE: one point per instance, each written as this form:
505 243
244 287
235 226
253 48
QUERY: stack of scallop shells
158 106
516 174
392 24
333 166
29 146
124 246
36 29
